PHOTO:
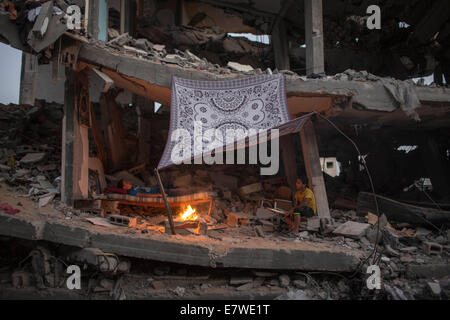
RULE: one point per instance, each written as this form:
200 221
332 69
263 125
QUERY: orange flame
189 214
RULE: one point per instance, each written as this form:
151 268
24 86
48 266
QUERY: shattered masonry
87 121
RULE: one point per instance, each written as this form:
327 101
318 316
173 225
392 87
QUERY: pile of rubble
415 273
143 48
30 150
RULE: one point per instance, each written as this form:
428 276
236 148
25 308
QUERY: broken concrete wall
47 89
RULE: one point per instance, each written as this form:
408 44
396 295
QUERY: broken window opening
263 38
157 106
407 148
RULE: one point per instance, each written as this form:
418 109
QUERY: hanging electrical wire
375 250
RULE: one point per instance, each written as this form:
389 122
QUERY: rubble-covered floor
221 248
409 268
221 254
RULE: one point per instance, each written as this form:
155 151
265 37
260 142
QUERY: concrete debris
432 248
294 295
284 280
395 293
46 199
390 251
430 271
303 235
352 229
259 231
299 284
434 288
264 274
408 249
123 221
180 291
237 280
239 67
21 279
245 287
158 285
100 222
32 158
252 188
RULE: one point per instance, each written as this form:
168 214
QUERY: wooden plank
82 143
166 203
80 156
313 169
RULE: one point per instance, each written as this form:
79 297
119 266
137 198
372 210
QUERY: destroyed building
95 110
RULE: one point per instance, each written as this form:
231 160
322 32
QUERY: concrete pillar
145 109
314 37
75 145
313 169
280 46
28 79
68 128
97 18
127 16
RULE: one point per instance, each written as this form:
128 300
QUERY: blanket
257 102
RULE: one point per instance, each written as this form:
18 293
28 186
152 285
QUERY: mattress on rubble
158 201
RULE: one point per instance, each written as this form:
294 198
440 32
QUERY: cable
426 193
374 252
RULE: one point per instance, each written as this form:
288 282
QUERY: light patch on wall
11 65
157 106
428 79
407 148
263 38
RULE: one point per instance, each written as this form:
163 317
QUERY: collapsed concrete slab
192 250
368 94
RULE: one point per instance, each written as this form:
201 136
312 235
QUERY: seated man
305 205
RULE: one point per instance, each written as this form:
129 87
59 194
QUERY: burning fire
189 214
